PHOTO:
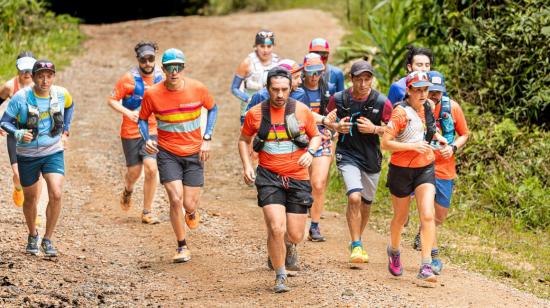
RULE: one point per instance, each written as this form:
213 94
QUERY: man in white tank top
251 74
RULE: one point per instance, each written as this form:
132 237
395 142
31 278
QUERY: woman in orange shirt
411 169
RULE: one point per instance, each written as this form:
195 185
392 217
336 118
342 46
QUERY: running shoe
315 234
192 219
48 249
437 266
417 245
426 273
126 200
356 255
149 219
18 197
183 254
32 244
291 260
365 256
280 284
394 262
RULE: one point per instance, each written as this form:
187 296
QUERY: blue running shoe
437 266
426 273
48 249
32 244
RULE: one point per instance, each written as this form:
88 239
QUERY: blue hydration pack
134 101
446 122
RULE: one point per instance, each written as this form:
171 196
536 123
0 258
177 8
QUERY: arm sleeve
340 81
8 123
144 114
143 126
211 120
68 117
235 88
255 100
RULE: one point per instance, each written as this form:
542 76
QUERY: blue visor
420 84
313 68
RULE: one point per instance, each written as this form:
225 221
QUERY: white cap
25 63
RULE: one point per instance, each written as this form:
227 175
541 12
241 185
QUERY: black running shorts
294 194
188 169
402 181
134 151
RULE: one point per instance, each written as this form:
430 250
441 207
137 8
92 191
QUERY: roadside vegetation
495 57
29 25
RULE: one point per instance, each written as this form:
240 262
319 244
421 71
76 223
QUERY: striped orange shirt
178 115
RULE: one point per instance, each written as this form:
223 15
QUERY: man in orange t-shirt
282 181
126 99
182 150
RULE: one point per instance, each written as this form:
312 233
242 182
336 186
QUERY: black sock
182 243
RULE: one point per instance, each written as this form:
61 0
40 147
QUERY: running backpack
291 126
446 123
371 109
324 90
134 101
33 113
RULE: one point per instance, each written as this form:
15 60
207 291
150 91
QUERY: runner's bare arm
6 91
248 171
117 106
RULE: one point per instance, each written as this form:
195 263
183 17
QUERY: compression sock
356 244
182 243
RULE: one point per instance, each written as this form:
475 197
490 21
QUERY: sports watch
455 149
311 151
207 137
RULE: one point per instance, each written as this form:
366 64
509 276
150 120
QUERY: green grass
28 25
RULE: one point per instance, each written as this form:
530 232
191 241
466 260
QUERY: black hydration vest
291 126
362 150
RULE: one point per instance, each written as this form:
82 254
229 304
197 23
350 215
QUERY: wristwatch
311 151
207 137
455 149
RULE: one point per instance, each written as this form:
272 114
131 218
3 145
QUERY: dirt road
109 258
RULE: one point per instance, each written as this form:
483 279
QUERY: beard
147 70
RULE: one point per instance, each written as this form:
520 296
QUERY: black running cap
43 64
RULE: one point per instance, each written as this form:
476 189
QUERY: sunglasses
265 34
322 54
144 60
314 73
45 65
174 68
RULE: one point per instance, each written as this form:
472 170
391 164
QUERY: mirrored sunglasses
314 73
174 68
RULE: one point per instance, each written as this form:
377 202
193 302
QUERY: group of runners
295 118
303 117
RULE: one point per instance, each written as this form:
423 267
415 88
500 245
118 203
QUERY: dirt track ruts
109 258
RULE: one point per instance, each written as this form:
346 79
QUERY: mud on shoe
48 249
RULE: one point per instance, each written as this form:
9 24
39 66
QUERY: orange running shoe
18 196
192 219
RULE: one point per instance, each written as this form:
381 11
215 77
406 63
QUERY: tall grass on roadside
29 25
